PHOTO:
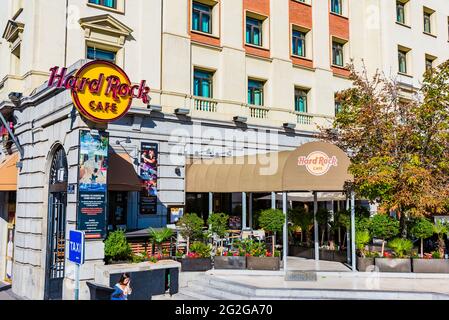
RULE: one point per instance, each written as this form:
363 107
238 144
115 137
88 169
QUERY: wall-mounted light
182 111
290 126
127 140
240 119
154 108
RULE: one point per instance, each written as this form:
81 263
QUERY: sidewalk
6 292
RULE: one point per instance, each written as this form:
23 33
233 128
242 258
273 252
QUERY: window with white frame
429 21
339 52
404 55
301 100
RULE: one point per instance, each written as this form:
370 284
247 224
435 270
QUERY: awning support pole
250 210
285 232
243 210
315 224
11 134
273 200
353 231
211 203
348 236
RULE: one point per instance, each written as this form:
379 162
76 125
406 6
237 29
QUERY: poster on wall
149 176
175 213
92 190
9 253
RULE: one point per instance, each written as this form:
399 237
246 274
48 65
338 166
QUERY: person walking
122 288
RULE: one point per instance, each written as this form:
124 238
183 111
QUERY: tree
384 227
422 229
302 218
440 229
322 217
399 148
218 223
191 227
272 220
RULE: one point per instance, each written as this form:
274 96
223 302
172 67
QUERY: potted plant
422 229
401 261
272 220
159 237
198 258
440 230
218 225
304 220
230 260
191 227
117 249
364 260
258 257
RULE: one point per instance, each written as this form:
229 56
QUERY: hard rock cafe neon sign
318 163
101 91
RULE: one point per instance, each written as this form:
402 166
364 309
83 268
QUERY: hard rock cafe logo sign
318 163
101 91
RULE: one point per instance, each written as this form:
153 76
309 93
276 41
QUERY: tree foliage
398 143
384 227
272 220
422 228
218 223
116 247
191 226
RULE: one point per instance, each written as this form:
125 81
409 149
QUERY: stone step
225 289
194 293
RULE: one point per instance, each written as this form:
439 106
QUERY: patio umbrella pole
285 245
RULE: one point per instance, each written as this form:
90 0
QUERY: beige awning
308 196
8 173
121 173
315 166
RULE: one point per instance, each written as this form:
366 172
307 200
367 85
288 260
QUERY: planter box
263 263
229 262
198 265
393 265
302 252
333 255
430 265
364 263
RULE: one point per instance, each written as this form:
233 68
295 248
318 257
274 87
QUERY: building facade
227 78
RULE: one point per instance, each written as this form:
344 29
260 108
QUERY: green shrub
401 247
191 226
272 220
218 223
422 229
201 249
384 227
362 238
116 247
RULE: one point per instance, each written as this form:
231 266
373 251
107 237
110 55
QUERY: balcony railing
258 112
204 104
305 119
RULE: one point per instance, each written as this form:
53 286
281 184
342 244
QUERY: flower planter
263 263
230 262
332 255
198 265
365 264
430 265
393 265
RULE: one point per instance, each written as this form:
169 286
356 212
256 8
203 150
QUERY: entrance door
57 204
118 209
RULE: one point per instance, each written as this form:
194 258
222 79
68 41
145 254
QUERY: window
202 83
337 54
430 61
402 56
337 107
202 18
255 92
336 6
301 100
99 54
253 31
299 43
427 23
105 3
400 12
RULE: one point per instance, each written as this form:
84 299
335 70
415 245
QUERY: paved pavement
6 292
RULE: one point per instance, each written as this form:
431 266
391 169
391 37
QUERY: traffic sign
76 247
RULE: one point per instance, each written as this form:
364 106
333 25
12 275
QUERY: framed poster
174 214
92 190
148 171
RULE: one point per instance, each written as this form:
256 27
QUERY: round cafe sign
101 91
318 163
